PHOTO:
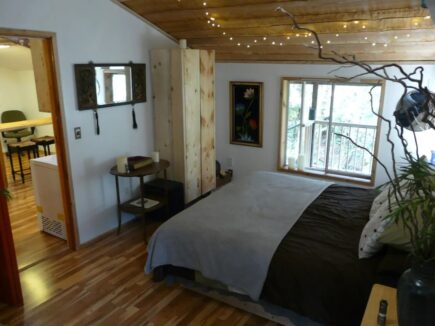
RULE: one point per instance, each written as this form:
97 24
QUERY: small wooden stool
45 142
19 148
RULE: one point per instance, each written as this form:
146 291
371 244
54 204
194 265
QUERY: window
315 112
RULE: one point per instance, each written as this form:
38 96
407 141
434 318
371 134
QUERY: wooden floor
104 284
101 284
31 244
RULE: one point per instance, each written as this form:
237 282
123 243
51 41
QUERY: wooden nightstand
378 293
222 181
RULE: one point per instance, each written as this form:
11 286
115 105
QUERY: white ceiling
16 58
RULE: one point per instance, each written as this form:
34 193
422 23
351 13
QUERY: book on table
138 162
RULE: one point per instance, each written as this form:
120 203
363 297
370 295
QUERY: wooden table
381 292
8 126
127 206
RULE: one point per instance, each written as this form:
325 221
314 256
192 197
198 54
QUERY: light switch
78 132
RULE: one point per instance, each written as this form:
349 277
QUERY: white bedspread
232 235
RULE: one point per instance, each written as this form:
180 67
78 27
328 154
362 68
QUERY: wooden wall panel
161 83
177 105
192 124
208 155
44 76
183 94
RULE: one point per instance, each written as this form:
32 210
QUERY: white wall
246 159
18 92
100 31
9 95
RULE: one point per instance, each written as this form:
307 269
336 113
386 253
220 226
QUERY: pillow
396 236
369 243
379 200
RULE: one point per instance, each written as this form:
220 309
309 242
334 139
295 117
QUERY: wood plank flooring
31 245
104 284
100 284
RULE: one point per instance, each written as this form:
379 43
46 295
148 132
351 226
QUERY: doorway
26 219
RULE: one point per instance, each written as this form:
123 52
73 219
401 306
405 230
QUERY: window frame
282 143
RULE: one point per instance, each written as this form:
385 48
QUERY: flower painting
246 113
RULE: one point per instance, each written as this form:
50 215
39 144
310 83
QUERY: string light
337 35
345 26
288 37
212 18
206 13
328 42
312 42
373 44
366 38
356 22
396 37
427 17
385 45
223 33
204 4
297 35
231 38
238 44
281 44
407 35
255 41
218 25
248 46
273 43
264 38
364 26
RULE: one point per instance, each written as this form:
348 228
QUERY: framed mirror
104 85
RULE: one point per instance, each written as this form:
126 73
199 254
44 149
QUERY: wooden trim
62 159
318 62
283 126
344 179
10 287
282 139
378 129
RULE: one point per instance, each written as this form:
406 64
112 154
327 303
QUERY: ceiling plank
394 30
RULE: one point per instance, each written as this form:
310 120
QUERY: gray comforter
232 235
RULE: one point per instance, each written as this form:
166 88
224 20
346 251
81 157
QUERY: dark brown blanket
315 270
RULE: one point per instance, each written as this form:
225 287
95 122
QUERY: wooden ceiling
252 31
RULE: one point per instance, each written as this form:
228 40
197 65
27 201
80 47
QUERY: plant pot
416 296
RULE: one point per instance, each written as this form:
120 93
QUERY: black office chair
13 116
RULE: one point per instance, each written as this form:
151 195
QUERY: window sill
321 175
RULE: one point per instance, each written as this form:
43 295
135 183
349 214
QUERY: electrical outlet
78 132
229 163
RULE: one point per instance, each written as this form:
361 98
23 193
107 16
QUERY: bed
314 269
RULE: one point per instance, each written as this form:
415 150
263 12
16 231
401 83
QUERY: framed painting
246 113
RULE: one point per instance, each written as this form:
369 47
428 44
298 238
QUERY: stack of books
138 162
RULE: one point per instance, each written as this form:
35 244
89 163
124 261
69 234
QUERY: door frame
7 250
